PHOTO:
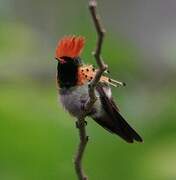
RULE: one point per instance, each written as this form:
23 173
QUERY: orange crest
70 46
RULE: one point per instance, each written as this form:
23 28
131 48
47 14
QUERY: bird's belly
73 100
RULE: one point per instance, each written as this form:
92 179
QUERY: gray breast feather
74 98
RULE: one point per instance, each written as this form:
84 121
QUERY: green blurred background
38 139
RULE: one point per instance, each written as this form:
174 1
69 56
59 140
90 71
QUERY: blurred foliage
38 138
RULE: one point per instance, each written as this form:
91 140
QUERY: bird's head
69 49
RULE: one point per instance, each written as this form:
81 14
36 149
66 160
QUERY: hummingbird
73 78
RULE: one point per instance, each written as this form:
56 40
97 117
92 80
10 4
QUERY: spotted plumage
88 72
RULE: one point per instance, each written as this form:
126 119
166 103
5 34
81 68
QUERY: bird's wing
113 121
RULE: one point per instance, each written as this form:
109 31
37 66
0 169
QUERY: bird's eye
62 61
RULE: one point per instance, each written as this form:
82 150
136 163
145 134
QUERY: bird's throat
67 73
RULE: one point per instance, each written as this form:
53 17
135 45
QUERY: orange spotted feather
87 72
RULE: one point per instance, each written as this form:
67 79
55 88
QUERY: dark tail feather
120 127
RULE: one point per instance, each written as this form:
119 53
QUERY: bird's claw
78 124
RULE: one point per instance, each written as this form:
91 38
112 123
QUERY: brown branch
82 145
92 96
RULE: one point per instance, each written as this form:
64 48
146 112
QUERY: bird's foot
78 125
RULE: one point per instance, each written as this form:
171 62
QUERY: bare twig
81 148
92 96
